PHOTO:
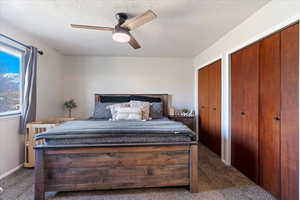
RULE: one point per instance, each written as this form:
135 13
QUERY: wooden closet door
214 107
244 110
269 116
290 113
203 92
237 105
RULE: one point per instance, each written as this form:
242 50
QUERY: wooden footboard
98 168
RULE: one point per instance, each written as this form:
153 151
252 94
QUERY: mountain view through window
9 82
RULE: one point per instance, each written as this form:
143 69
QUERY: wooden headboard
164 98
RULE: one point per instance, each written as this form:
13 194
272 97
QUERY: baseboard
226 163
10 171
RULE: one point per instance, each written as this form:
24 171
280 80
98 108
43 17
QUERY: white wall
86 75
49 99
270 18
11 144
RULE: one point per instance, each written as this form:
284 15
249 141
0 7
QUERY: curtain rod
20 43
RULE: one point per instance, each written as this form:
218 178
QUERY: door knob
243 113
276 118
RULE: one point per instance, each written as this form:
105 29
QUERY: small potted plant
69 105
185 112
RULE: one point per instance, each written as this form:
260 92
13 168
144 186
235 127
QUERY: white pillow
129 114
144 106
113 108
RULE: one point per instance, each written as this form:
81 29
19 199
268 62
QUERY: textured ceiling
183 27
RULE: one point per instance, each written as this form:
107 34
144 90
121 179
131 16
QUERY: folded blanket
108 128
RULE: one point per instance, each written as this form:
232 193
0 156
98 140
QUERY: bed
101 154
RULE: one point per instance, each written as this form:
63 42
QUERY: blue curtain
29 88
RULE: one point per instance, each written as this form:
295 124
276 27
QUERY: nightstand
34 128
188 121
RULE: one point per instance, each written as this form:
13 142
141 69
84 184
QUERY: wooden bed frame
115 166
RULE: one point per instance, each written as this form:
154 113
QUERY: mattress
105 132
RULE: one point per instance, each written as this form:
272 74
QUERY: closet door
244 110
214 107
269 116
203 92
289 113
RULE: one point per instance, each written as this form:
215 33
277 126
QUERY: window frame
20 53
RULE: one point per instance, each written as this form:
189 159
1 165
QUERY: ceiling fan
121 32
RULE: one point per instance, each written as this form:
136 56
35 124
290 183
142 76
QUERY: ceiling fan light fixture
120 35
121 32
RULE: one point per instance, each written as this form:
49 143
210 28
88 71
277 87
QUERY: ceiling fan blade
99 28
133 42
139 20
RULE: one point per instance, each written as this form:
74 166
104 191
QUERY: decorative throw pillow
129 114
101 111
113 108
145 107
156 110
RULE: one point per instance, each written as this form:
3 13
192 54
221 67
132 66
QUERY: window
10 80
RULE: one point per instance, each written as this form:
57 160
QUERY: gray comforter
107 132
